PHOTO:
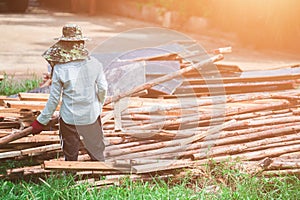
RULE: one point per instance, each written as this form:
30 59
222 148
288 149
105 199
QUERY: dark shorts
92 139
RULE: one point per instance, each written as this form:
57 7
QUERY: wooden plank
32 105
38 150
76 165
38 139
294 155
5 98
30 151
260 154
285 164
33 96
281 172
29 170
10 115
9 110
162 166
114 181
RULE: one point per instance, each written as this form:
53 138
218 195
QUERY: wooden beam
32 105
38 150
5 98
162 166
33 96
77 165
9 110
38 139
31 151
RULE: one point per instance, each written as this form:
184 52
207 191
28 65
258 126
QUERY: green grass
220 182
10 85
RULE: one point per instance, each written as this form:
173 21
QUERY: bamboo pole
234 148
281 172
256 155
247 131
276 144
294 155
163 147
197 118
234 142
199 102
285 164
206 118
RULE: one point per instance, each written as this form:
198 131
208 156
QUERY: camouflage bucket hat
69 47
63 52
71 32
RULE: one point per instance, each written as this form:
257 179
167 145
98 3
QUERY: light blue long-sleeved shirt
82 86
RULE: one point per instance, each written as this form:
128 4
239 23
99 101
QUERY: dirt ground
24 37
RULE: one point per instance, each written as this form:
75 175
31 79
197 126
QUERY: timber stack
183 116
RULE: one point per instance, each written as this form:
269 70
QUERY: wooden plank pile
255 119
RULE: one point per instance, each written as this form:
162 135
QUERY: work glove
37 127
